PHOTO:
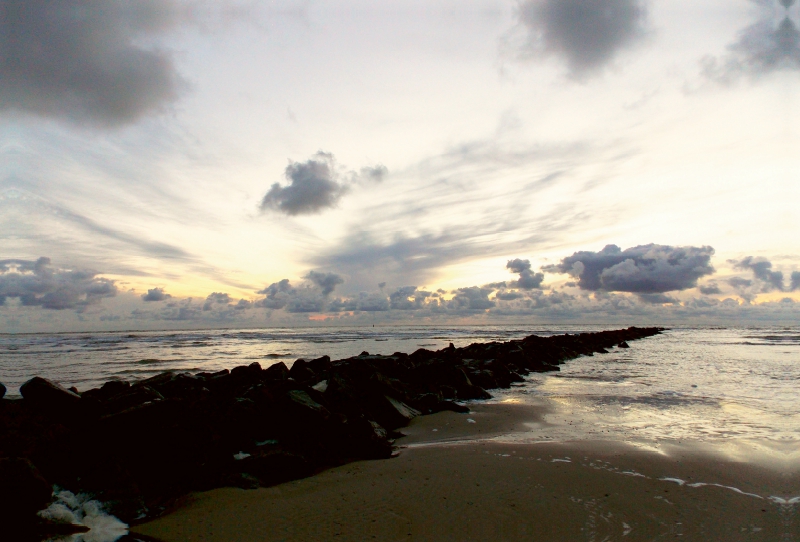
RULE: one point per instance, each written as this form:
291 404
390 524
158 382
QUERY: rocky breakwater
139 446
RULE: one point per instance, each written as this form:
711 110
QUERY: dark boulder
364 439
472 392
320 365
301 371
2 390
136 396
451 406
184 386
24 490
272 467
299 413
50 398
389 412
623 344
276 371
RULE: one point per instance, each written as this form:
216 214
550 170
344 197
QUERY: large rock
2 390
276 371
136 396
301 371
272 467
24 491
50 398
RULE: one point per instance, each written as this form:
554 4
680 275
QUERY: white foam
80 509
240 456
704 484
633 473
781 500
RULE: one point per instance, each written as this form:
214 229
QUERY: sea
689 383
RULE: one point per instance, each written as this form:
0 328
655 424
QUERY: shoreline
462 482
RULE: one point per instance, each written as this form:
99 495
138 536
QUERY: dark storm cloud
156 294
37 283
771 44
587 34
528 280
645 269
316 185
762 271
327 282
84 60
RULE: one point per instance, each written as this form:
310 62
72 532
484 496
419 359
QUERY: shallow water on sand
733 390
712 385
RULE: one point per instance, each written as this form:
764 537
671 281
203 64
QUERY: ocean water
701 384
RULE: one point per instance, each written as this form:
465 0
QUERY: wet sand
460 482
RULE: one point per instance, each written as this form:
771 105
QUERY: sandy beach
455 479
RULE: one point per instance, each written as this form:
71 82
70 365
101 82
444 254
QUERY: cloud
771 44
375 174
739 282
316 185
528 280
308 298
216 298
587 34
37 283
471 299
657 299
762 270
372 302
156 294
312 187
711 288
407 298
764 278
326 282
277 295
795 281
645 269
85 61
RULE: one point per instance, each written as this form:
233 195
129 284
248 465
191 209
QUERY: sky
190 164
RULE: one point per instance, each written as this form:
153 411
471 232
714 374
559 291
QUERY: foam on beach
82 510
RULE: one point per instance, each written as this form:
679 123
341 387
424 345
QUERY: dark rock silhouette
138 446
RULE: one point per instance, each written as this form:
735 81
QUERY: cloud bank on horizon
648 281
144 146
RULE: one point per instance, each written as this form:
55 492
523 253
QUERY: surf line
777 500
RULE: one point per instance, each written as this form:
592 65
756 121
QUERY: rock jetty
139 446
